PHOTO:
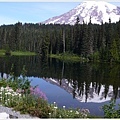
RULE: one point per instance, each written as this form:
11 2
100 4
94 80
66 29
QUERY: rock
4 115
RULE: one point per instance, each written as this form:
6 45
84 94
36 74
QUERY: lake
74 85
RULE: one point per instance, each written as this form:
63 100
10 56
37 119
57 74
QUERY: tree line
92 41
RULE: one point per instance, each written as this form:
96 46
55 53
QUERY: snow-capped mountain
98 11
92 95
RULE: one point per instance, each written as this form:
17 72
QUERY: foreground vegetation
110 110
16 92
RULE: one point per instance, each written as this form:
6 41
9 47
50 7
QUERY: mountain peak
98 11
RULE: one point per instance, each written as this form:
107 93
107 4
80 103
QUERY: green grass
2 52
68 57
21 53
17 53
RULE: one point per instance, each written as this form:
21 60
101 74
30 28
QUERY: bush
110 111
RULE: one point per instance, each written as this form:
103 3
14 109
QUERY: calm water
76 85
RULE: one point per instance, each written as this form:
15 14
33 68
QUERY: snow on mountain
92 95
98 11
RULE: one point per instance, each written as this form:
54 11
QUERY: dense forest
92 41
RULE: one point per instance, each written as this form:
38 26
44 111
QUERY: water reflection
87 82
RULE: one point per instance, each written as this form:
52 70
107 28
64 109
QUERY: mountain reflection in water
87 82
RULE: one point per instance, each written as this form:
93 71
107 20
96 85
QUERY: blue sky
33 12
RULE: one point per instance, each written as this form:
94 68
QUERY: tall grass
17 53
68 57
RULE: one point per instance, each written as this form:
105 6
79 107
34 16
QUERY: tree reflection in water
86 81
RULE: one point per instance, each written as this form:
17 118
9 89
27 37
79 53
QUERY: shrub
110 111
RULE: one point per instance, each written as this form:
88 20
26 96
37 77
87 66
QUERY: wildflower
11 90
77 112
2 89
19 95
9 93
85 111
22 91
84 115
37 92
54 103
64 107
13 95
7 88
6 93
50 115
71 111
55 107
18 90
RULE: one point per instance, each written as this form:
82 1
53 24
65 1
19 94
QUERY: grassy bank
23 53
17 53
68 57
2 52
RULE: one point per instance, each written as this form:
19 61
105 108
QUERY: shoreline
15 114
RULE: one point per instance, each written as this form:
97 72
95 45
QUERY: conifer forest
91 41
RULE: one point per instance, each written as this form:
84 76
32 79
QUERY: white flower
84 115
64 107
14 92
6 102
71 111
54 102
2 89
55 107
11 90
13 95
77 112
6 88
6 93
50 115
19 95
9 93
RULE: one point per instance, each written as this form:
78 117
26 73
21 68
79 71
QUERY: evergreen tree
77 37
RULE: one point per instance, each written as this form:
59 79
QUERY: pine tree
114 51
76 49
